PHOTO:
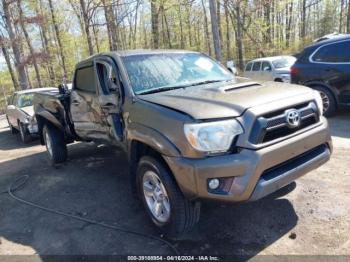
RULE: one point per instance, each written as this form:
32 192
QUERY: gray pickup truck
191 130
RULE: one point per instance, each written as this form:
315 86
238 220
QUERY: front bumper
253 174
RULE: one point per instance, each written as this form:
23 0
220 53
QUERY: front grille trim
269 123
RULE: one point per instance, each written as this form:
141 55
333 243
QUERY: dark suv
325 66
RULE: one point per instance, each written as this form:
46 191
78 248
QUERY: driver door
95 102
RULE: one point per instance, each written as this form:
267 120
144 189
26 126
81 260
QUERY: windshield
284 62
166 71
25 100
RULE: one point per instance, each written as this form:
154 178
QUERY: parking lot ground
313 218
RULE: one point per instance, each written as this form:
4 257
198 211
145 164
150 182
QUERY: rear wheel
329 102
25 136
169 210
55 144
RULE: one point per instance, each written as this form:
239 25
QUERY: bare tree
29 43
4 49
215 30
87 26
23 80
58 36
206 29
155 23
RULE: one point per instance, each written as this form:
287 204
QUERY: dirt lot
314 218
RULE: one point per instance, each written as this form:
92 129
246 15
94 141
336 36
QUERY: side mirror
63 89
233 70
11 107
267 68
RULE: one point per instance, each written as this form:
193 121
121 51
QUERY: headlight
212 137
319 102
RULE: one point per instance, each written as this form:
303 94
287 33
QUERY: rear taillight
294 71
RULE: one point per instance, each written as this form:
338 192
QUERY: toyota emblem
293 118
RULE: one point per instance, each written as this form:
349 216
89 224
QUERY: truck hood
224 100
29 110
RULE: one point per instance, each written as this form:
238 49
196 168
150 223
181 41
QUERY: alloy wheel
156 197
325 101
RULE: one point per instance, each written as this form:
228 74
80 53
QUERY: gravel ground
311 216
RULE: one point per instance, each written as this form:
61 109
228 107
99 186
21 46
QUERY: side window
107 77
333 53
266 66
248 66
85 79
256 66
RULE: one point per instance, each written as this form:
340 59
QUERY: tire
25 136
55 144
329 102
12 129
183 214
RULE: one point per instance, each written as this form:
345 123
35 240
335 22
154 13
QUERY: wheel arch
333 91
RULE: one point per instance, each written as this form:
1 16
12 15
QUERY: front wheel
55 144
169 210
12 129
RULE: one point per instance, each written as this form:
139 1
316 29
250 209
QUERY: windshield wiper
167 88
160 89
205 82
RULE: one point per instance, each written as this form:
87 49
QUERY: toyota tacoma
190 128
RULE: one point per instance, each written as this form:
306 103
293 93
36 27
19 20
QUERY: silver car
20 113
276 68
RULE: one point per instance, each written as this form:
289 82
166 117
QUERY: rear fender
47 116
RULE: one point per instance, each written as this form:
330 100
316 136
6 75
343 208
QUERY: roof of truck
150 51
124 53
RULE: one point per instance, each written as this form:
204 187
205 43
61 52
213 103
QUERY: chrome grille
273 126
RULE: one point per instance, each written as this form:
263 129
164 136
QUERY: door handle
75 102
107 106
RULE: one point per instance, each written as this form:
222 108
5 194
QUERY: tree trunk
215 29
155 24
94 30
303 20
111 26
239 36
206 28
23 81
228 39
289 16
87 27
58 36
182 40
29 43
8 62
218 15
47 46
189 28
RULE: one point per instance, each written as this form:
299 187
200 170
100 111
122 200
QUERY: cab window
85 79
